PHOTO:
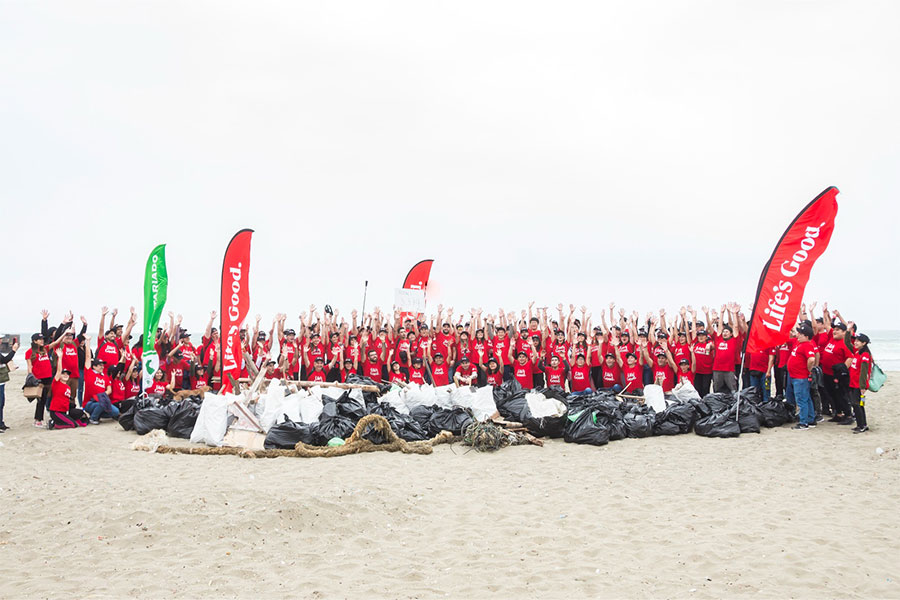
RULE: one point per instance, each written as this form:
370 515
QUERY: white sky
649 153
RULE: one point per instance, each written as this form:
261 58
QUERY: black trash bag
555 392
752 394
513 407
383 388
409 429
677 418
183 420
336 426
126 419
587 427
148 419
454 420
638 425
617 429
749 418
505 390
718 402
772 413
422 414
286 435
350 408
718 425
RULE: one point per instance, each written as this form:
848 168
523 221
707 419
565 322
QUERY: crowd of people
823 369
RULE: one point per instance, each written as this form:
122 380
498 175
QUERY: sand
775 515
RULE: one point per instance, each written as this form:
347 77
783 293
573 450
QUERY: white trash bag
212 420
654 397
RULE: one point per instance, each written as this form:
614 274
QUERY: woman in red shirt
555 373
61 401
860 365
493 376
396 375
580 375
40 366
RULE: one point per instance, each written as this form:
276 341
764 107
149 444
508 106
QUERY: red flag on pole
784 277
234 305
417 278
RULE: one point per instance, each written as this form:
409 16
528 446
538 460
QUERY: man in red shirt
523 369
501 343
833 356
702 351
555 372
611 374
97 387
440 372
727 349
107 350
799 365
760 366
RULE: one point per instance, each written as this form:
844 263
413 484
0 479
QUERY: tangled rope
355 444
485 437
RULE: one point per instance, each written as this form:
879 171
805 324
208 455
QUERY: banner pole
362 316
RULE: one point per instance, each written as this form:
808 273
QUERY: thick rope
355 444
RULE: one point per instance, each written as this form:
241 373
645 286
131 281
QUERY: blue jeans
80 392
800 391
95 409
2 400
761 382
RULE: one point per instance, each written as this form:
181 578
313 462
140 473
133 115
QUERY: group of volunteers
823 369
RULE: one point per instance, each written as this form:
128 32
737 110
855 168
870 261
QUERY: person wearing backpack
860 365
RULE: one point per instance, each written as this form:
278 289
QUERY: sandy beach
782 514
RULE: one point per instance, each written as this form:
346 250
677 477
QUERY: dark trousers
507 372
780 381
41 402
702 381
597 377
859 406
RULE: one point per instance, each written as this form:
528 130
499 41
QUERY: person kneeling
60 400
97 388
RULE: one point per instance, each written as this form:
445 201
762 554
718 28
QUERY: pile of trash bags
320 416
176 418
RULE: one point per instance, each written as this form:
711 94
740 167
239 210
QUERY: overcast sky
650 153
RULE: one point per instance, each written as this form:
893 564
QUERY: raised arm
101 331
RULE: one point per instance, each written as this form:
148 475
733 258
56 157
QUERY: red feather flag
235 304
417 278
784 277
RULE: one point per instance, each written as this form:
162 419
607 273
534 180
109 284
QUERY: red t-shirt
555 376
40 365
784 352
118 391
179 368
60 396
317 376
494 378
467 370
440 374
560 350
132 389
611 376
109 354
443 344
372 370
399 376
485 347
501 350
703 354
759 360
801 353
70 359
834 352
291 352
680 351
417 375
856 370
581 378
524 374
157 387
664 376
634 377
94 384
727 354
688 375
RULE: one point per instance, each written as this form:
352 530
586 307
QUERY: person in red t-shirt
502 345
799 366
702 353
372 366
61 401
860 372
97 389
760 365
727 348
396 375
318 373
834 390
663 367
684 371
466 373
611 374
417 372
493 376
440 371
523 369
39 365
159 387
580 374
555 372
